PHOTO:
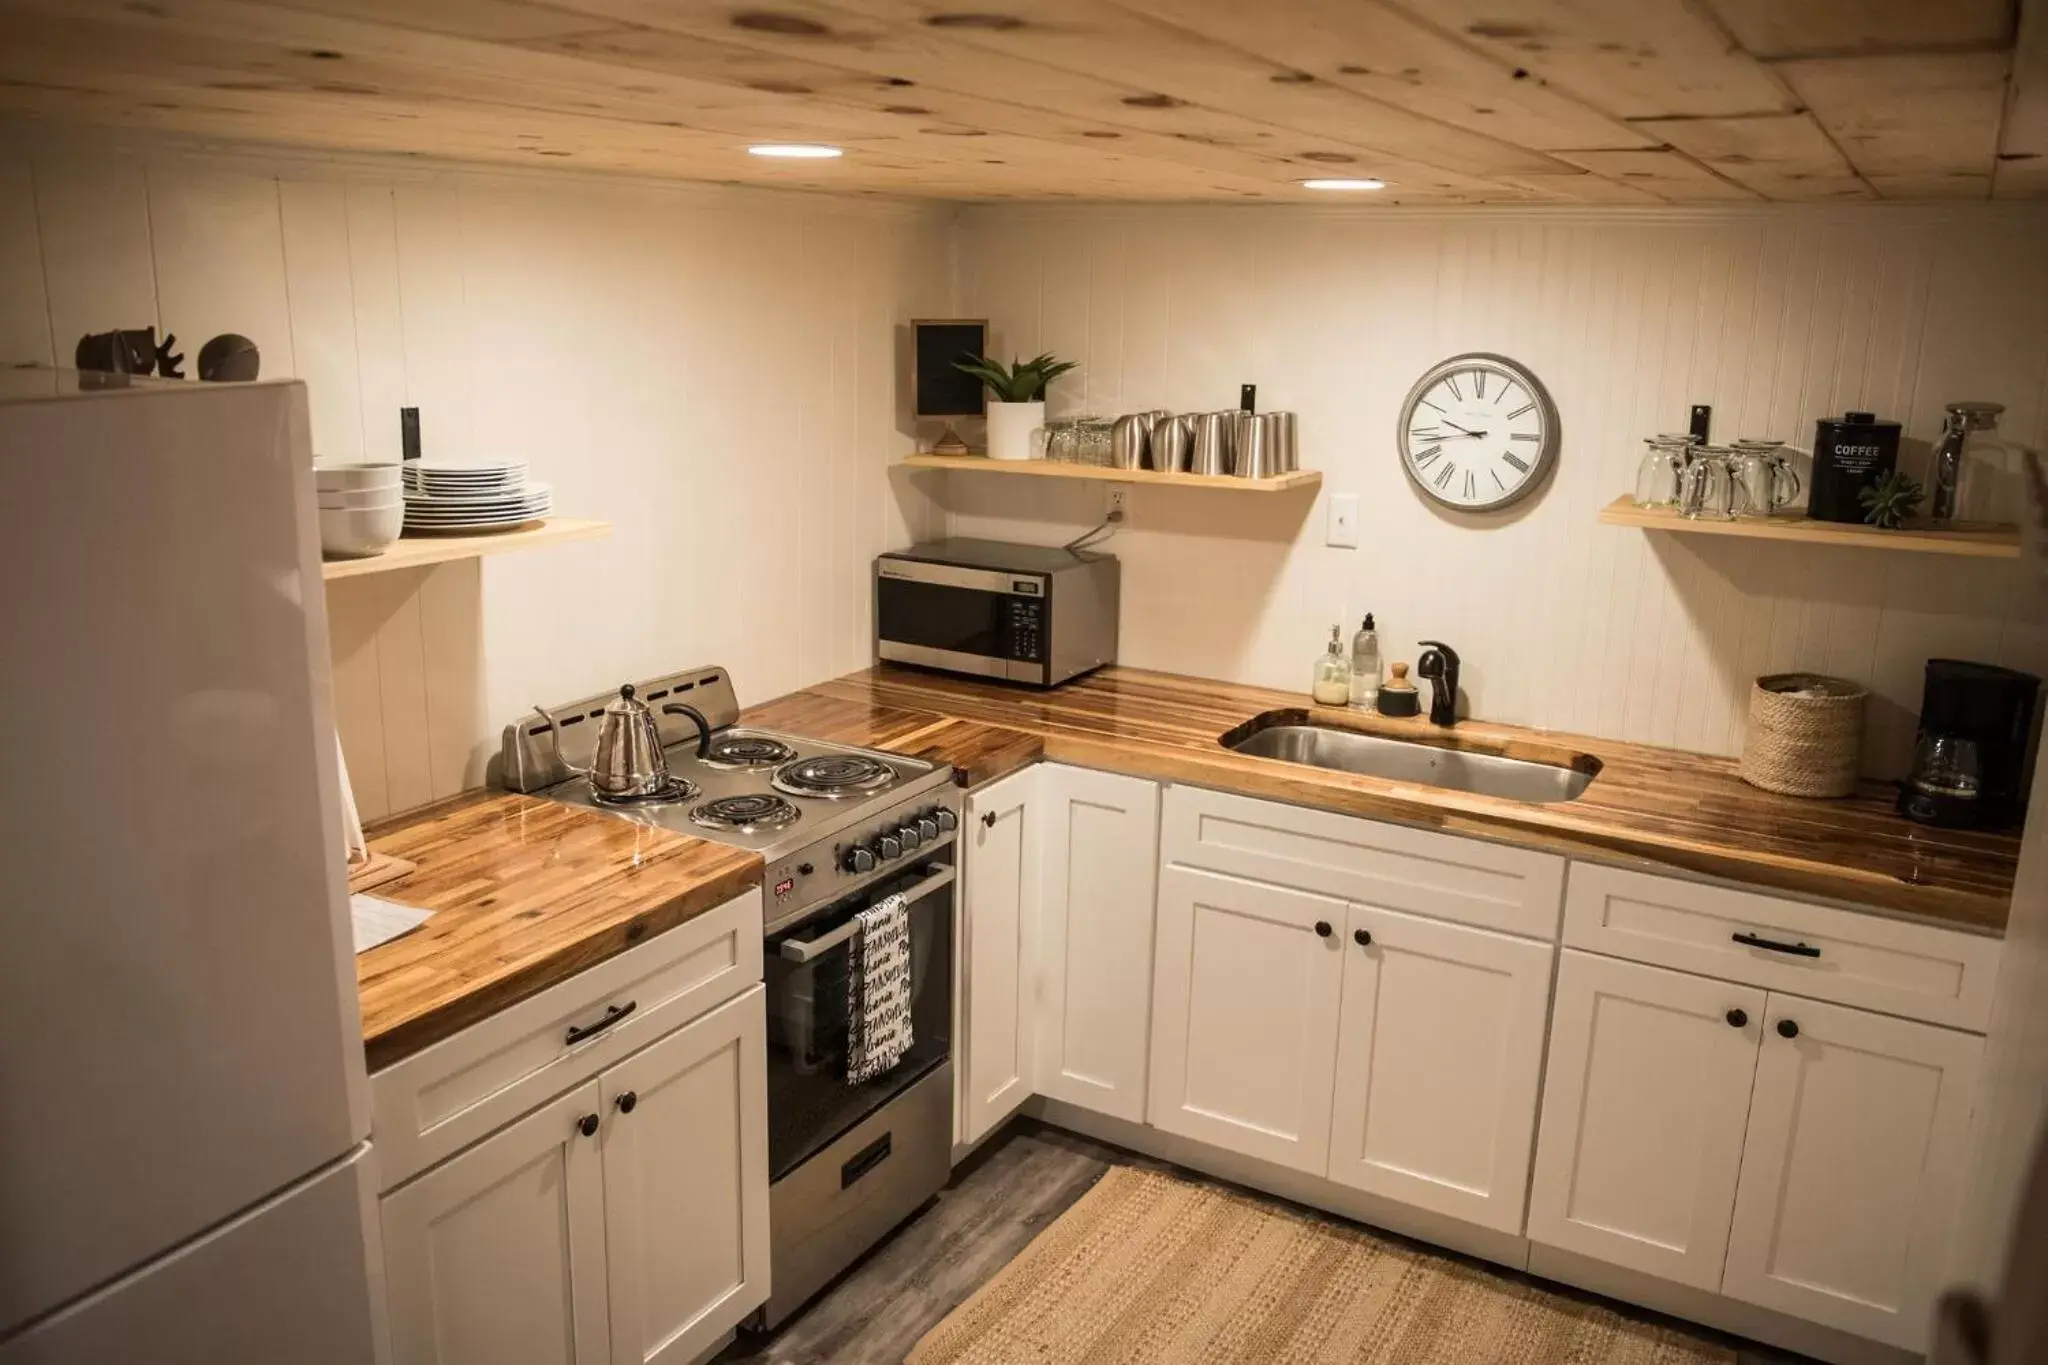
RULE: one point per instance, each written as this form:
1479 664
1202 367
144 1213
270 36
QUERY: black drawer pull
611 1016
865 1160
1795 949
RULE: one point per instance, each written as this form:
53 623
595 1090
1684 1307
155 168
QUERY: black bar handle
1795 949
866 1159
611 1016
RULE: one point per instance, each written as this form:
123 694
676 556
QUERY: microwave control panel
1024 620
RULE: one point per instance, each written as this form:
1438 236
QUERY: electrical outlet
1116 503
1343 529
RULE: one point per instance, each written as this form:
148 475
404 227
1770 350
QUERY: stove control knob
858 860
947 821
888 847
911 835
927 828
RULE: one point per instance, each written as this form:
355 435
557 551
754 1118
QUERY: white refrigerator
184 1166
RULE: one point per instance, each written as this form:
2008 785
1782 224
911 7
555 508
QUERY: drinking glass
1662 467
1764 478
1708 491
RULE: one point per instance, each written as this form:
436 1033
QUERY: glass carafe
1764 478
1707 491
1662 468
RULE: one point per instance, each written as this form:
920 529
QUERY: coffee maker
1970 760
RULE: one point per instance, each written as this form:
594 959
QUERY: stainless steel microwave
1023 613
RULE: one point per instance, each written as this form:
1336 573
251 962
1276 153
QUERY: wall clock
1478 432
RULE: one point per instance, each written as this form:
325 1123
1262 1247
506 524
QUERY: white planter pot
1009 429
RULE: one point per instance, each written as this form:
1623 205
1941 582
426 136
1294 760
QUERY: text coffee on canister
1850 453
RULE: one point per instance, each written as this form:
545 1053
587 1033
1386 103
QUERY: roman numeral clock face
1478 432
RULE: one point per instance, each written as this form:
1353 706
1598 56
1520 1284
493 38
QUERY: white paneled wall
1775 317
712 370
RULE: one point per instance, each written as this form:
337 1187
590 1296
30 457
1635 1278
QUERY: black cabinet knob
1323 929
1738 1018
587 1125
627 1101
988 820
1787 1029
1361 938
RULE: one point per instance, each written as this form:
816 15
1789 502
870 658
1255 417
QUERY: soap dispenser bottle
1332 685
1365 665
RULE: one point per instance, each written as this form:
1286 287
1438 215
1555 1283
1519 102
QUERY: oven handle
810 950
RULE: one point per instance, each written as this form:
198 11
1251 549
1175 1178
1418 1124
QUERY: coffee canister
1850 453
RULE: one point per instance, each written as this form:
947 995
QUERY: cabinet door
1852 1170
686 1185
1439 1055
1645 1097
1245 994
497 1256
1094 941
1000 896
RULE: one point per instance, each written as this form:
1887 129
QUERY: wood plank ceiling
1448 101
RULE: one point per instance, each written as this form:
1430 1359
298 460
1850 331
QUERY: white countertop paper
379 921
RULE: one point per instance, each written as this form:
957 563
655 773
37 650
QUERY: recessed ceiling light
1344 184
801 151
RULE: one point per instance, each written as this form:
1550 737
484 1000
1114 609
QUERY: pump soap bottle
1365 666
1332 684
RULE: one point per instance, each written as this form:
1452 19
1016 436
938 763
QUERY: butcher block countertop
526 893
1682 810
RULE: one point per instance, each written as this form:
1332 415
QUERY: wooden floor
999 1199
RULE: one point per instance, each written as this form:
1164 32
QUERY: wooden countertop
527 893
1682 810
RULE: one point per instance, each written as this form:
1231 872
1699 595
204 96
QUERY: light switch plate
1343 531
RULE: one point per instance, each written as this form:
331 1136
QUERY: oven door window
941 616
809 1102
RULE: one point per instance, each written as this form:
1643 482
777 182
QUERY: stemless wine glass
1663 465
1764 477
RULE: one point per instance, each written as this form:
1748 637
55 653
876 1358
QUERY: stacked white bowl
362 508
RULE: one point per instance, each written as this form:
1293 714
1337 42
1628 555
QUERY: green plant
1890 500
1023 382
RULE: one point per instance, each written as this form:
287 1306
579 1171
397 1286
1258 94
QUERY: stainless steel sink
1402 760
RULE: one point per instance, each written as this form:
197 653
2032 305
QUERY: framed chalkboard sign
941 389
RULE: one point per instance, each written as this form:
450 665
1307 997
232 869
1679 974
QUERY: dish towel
878 990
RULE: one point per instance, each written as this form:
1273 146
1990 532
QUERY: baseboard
1451 1233
1713 1310
1516 1253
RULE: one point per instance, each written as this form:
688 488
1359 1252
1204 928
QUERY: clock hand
1461 430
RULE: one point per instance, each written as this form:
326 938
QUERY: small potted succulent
1017 405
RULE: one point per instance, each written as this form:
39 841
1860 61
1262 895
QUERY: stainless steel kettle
627 760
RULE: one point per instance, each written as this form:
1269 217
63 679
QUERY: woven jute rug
1149 1268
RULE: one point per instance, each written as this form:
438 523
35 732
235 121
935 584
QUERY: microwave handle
810 950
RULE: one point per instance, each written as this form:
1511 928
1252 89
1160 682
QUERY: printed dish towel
878 991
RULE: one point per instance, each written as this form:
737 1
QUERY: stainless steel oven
849 1162
1023 613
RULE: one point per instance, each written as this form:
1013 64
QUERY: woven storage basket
1805 734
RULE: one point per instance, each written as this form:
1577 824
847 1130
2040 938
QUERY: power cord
1089 539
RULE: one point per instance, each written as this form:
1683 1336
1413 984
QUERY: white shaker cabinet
1438 1065
685 1145
497 1256
1852 1172
1247 985
1094 941
1644 1104
1000 867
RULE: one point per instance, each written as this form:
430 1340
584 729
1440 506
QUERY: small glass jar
1662 467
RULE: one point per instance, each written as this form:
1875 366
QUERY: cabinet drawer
1443 876
438 1101
1895 966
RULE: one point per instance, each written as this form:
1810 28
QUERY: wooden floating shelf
1981 540
1057 469
415 552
